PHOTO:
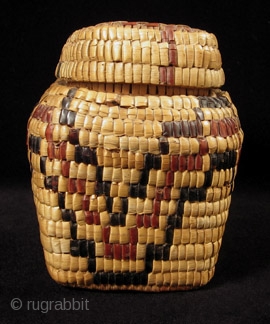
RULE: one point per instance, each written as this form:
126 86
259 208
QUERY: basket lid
142 53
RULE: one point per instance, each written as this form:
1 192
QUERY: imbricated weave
142 53
132 173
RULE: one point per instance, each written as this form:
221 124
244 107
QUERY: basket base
84 280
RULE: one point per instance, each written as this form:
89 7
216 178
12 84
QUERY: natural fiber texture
142 53
134 152
131 191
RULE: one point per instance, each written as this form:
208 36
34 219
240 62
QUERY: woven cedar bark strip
154 53
65 95
181 34
140 74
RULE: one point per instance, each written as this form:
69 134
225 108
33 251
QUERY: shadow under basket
132 183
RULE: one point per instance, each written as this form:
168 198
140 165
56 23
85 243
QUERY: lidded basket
133 152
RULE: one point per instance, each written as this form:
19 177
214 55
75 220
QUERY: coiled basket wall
133 152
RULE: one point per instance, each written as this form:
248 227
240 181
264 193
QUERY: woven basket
134 152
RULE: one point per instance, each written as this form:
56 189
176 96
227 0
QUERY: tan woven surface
132 183
142 53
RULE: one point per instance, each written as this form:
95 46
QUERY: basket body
132 183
